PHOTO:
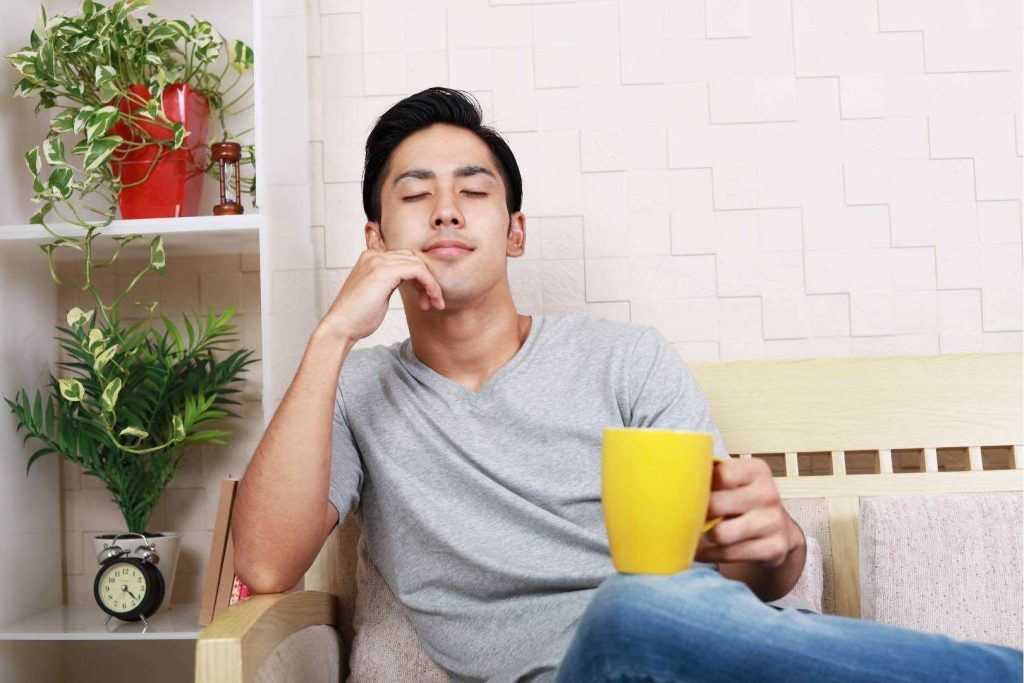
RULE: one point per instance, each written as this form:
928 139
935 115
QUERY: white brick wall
755 178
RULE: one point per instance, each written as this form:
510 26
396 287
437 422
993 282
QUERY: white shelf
190 235
85 622
142 226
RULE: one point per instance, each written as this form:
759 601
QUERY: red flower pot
174 186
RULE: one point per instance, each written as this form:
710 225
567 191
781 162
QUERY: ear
516 240
374 240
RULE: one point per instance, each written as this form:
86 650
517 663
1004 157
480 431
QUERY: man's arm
281 513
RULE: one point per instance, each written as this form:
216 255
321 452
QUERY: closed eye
469 192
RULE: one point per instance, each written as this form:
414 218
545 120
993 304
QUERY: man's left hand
755 527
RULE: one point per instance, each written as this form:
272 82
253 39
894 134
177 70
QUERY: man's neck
470 345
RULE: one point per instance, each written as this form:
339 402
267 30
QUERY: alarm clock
129 585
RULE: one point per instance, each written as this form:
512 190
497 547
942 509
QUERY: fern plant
134 396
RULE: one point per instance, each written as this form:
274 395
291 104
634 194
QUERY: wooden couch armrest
234 646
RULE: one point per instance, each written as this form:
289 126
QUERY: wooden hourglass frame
225 154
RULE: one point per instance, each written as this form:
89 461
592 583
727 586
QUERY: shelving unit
41 638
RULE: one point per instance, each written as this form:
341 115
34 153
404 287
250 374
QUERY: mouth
448 251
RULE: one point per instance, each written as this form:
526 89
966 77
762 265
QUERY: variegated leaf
71 389
108 399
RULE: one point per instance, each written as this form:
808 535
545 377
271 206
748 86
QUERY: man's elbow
262 578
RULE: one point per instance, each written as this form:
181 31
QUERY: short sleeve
663 393
346 465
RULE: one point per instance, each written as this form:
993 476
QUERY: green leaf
180 27
129 7
77 317
109 397
37 411
71 389
25 88
106 82
161 31
23 61
105 358
241 56
68 242
108 91
60 181
64 122
100 122
134 431
179 429
103 74
100 150
46 65
172 329
179 135
157 255
96 342
151 109
78 44
38 454
32 161
40 216
53 151
82 118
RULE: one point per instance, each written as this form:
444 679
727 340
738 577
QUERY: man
470 454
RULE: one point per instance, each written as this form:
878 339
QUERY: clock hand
131 594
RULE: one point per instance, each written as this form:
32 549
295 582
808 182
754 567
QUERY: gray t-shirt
482 511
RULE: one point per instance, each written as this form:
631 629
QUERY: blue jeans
700 626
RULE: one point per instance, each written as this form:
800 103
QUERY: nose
446 212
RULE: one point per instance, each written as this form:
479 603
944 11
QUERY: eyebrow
425 173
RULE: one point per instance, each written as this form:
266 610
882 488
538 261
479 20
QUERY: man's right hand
362 303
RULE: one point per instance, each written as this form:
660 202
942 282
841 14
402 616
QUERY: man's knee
625 604
655 623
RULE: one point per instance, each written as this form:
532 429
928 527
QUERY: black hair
419 111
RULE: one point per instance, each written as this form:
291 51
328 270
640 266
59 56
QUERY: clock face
122 587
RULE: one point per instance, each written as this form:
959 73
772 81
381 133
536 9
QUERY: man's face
443 185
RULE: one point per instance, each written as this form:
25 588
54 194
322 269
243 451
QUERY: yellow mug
655 488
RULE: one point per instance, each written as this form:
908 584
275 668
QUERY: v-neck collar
440 383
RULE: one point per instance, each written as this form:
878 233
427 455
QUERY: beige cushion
812 516
311 655
385 648
807 593
944 563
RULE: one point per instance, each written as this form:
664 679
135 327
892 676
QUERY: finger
770 549
737 472
754 524
417 272
732 502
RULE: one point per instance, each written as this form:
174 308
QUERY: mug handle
710 524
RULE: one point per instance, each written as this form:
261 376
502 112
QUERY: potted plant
133 396
135 97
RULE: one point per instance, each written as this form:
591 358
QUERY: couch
937 549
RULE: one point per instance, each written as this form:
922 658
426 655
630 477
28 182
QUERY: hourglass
228 154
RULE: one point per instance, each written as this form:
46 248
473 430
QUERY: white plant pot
167 547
